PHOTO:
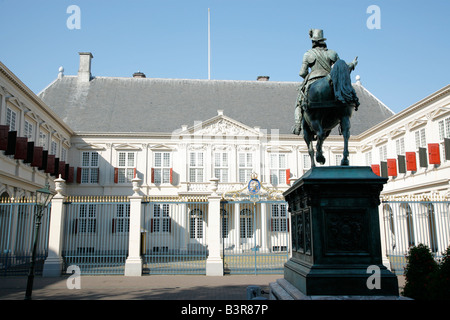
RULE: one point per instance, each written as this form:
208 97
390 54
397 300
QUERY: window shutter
153 175
78 175
37 157
433 153
11 147
71 172
116 175
4 137
401 164
447 148
171 175
170 225
271 224
376 169
151 225
423 162
288 176
113 228
384 169
134 173
21 148
392 167
30 152
411 164
50 164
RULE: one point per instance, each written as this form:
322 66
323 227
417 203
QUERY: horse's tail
343 89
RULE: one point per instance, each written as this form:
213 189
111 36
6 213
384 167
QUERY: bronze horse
331 101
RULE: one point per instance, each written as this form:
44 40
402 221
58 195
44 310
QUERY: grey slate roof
109 104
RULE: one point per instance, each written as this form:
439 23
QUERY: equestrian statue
326 97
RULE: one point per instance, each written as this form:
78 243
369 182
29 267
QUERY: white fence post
133 264
214 262
54 262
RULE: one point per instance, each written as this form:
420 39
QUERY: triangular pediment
126 146
89 146
417 122
439 112
161 147
397 131
221 126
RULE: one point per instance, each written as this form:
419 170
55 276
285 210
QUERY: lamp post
42 200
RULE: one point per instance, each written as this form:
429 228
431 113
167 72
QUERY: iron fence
174 235
410 221
255 237
96 234
17 228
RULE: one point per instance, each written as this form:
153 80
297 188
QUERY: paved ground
155 287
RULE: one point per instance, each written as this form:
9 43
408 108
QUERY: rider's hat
316 35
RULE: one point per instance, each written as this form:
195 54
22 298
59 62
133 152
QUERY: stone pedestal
336 243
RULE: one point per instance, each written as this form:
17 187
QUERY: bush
443 277
420 273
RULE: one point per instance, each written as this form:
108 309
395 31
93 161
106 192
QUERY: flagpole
209 44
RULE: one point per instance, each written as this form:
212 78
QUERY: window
89 167
196 167
279 221
337 159
221 166
277 168
54 147
225 221
196 224
444 128
161 221
87 222
121 224
383 153
63 154
162 171
306 162
245 167
420 138
246 224
28 130
126 167
400 146
368 158
43 139
11 117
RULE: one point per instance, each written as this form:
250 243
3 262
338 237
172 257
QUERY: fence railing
409 221
17 228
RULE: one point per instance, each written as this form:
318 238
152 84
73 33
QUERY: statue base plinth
336 244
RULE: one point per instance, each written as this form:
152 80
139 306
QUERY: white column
54 262
237 228
214 263
133 264
264 229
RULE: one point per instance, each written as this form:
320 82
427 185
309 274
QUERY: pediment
397 131
161 147
417 122
380 140
439 112
278 149
90 146
126 146
221 126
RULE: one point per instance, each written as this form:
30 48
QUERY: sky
402 45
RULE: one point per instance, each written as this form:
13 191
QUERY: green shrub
443 277
420 273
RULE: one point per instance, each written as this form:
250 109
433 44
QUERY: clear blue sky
400 63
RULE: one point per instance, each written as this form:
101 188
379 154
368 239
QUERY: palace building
175 135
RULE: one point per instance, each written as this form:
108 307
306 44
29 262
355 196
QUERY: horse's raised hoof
345 162
320 159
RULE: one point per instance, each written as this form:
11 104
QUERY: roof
120 105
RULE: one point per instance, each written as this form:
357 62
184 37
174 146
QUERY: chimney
139 75
263 78
84 72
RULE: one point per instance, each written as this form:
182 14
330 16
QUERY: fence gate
96 233
174 235
255 236
17 228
